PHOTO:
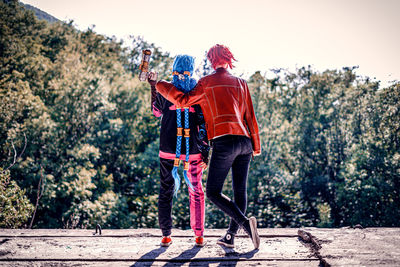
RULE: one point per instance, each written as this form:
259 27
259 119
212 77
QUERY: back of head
182 70
220 55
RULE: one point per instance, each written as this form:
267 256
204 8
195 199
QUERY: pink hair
219 55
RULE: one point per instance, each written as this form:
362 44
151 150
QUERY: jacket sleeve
203 144
251 121
153 94
158 105
180 99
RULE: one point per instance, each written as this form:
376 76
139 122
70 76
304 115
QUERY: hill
40 14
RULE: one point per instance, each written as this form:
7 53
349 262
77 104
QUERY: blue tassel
189 184
177 180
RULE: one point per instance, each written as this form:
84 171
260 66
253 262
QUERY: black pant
166 196
230 151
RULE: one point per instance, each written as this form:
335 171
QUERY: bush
14 205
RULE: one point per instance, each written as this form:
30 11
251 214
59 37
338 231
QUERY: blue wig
182 71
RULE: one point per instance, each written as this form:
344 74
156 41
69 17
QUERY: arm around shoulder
177 97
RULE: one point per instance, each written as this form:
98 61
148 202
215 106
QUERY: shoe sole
254 234
166 244
200 245
225 244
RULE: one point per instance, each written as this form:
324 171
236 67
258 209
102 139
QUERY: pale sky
326 34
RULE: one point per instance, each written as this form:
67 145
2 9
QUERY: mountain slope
40 14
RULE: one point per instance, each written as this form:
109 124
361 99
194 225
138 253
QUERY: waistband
228 137
192 157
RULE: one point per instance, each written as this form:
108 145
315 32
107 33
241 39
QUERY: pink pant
196 198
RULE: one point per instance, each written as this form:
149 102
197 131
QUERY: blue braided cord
187 138
187 150
178 138
175 174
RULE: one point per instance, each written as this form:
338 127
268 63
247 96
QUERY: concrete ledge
140 247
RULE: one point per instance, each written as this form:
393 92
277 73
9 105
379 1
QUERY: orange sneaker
166 241
200 241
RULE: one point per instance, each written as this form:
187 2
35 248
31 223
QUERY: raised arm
157 100
158 105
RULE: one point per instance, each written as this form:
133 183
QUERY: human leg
165 196
224 153
240 168
196 198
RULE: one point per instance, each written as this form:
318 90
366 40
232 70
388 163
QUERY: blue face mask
182 71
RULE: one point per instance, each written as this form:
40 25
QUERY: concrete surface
140 247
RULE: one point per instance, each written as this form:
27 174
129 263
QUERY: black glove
204 157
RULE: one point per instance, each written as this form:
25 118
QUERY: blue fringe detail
177 180
189 184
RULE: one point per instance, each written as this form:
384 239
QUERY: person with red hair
233 130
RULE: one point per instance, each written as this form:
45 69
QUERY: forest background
79 143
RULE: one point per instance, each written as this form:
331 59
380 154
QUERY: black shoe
227 240
250 226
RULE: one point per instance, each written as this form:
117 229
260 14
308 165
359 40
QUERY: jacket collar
221 70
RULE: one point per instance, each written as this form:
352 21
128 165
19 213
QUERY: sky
262 34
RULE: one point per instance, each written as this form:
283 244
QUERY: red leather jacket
226 104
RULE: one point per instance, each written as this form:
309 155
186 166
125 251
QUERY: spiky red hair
219 55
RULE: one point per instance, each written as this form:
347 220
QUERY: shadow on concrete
232 257
149 258
184 257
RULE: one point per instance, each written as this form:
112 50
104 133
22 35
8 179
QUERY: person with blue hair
183 138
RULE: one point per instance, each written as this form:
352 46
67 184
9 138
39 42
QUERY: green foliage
330 141
82 110
14 205
370 185
333 138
